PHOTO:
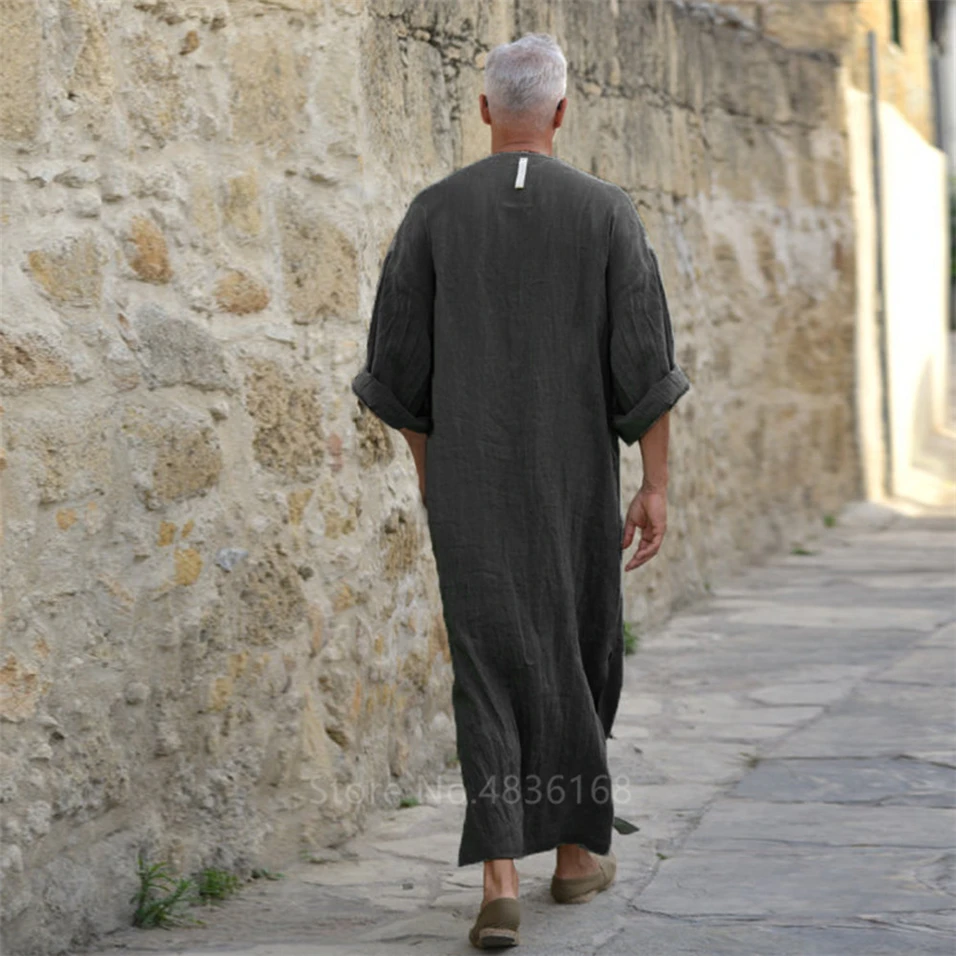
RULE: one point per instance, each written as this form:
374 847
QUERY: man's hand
648 511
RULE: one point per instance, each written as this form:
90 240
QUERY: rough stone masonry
222 636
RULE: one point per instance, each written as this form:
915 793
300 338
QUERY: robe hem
384 403
661 398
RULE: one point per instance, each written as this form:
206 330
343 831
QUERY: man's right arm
648 510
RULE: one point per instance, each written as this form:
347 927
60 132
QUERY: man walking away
520 331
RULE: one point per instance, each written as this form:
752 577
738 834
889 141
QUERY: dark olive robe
527 332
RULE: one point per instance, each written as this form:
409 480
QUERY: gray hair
526 79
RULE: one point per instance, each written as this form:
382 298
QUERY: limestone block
274 608
268 87
122 370
20 690
407 100
819 353
173 453
69 270
188 566
762 87
239 293
147 252
60 456
241 208
631 33
174 351
30 360
336 522
374 441
438 638
811 84
287 414
88 68
400 543
319 262
257 7
689 70
202 203
807 24
23 51
161 102
474 136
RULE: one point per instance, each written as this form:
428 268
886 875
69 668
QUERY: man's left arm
395 382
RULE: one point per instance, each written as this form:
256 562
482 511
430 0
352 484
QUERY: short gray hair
526 79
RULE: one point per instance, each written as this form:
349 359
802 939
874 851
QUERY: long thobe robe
523 327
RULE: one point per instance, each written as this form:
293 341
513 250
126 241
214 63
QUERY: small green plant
631 638
751 760
161 897
261 873
662 856
216 884
408 802
829 521
799 549
707 587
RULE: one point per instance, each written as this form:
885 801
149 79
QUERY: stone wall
219 603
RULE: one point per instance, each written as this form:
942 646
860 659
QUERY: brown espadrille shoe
497 924
583 889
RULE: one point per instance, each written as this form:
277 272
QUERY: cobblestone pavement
789 747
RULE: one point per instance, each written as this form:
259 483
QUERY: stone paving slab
880 781
924 665
787 749
762 826
652 935
880 719
764 879
850 618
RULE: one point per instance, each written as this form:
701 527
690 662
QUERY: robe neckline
518 152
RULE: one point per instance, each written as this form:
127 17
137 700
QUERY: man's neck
521 146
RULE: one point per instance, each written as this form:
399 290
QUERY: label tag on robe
522 169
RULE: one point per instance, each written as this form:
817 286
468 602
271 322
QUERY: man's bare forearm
417 442
654 444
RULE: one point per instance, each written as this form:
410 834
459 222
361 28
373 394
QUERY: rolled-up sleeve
395 382
646 380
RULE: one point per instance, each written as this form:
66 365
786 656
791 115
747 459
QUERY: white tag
522 169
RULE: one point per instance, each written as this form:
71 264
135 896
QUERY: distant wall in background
905 78
840 27
916 263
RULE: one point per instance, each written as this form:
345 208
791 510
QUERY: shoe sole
494 938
